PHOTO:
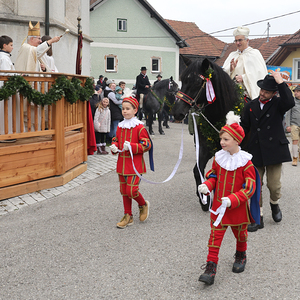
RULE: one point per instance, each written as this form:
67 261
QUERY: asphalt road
68 247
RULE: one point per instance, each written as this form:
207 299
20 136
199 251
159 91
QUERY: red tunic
230 184
139 142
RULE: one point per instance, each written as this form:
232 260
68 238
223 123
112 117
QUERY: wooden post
59 137
5 116
14 114
84 129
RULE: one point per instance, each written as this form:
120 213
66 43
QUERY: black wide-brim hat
143 68
268 83
297 88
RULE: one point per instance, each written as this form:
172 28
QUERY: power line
205 34
188 38
258 21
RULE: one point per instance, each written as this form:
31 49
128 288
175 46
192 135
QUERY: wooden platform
48 157
37 185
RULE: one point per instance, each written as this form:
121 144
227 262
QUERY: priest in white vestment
246 65
30 59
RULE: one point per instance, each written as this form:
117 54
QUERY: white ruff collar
232 162
130 123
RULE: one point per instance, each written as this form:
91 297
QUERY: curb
97 165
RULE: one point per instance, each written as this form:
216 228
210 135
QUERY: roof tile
200 42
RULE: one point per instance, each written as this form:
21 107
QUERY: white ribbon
202 196
222 208
174 170
210 93
221 211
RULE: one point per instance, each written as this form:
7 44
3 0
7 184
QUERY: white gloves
126 145
227 200
113 148
203 189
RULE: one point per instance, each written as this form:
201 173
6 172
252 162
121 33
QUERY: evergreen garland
212 136
62 87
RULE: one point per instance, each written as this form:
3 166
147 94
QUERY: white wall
18 13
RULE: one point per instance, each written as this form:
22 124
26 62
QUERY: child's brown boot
294 163
144 211
125 221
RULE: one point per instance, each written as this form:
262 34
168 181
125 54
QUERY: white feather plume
232 118
128 93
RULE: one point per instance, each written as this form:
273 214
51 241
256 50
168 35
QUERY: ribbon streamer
210 93
202 197
222 208
174 170
221 211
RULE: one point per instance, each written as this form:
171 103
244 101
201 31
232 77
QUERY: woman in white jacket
102 125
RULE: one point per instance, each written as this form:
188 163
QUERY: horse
160 99
193 94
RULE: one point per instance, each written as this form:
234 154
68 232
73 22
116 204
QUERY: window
296 70
111 63
156 65
122 25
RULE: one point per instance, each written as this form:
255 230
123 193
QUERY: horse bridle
187 99
193 102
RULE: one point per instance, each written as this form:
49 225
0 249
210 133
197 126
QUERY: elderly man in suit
267 142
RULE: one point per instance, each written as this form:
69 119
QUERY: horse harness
193 102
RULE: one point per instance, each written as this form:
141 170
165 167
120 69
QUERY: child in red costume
131 133
233 178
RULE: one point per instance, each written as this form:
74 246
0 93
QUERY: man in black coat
267 143
142 85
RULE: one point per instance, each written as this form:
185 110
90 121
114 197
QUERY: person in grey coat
292 119
268 144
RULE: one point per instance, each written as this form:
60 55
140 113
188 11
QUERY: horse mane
224 87
161 84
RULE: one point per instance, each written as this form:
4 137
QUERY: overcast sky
216 15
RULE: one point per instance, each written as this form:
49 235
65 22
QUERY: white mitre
242 31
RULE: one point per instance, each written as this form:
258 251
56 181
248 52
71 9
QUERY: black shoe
276 212
254 226
209 274
240 262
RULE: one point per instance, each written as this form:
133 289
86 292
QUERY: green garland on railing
62 87
212 136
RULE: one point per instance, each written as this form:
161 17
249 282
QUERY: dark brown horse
193 94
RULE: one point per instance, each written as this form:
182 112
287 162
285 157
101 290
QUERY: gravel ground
68 246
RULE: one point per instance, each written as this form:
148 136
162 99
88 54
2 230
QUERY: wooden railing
51 141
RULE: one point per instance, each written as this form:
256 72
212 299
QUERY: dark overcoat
267 142
141 82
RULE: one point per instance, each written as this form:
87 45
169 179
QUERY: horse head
194 80
193 90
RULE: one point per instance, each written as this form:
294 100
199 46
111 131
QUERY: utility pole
268 31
